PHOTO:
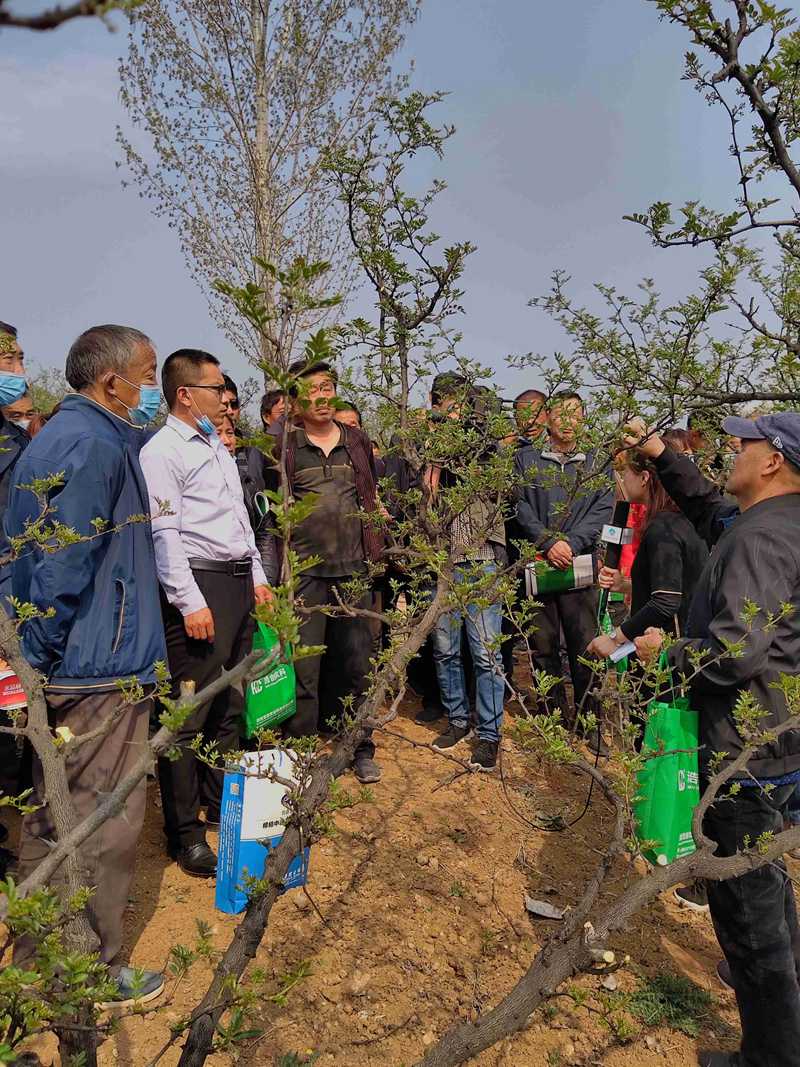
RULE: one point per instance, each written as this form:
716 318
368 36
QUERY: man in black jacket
755 560
563 513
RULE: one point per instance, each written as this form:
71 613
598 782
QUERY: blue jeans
483 625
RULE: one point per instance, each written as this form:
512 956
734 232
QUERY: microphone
614 536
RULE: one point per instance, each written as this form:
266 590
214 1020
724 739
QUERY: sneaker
136 987
724 974
451 737
692 896
432 713
366 769
484 757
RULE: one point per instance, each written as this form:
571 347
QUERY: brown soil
422 923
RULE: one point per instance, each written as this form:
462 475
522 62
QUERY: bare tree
241 103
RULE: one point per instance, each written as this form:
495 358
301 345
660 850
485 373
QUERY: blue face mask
204 424
149 403
12 387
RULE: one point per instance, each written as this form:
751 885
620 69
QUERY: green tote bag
669 786
269 700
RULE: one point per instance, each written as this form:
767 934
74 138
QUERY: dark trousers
576 614
187 783
108 857
341 671
755 920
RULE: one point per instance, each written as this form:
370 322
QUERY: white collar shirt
195 476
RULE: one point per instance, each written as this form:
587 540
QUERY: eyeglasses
218 389
231 404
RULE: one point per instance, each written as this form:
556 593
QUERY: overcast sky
569 115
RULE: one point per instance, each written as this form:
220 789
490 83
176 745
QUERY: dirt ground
421 922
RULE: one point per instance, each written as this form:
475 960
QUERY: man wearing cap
755 559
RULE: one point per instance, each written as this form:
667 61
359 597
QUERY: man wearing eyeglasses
211 576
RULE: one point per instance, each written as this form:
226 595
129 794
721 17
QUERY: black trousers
576 614
755 920
188 783
341 671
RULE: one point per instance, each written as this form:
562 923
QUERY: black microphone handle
613 553
603 605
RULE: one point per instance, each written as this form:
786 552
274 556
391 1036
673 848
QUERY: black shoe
595 742
451 737
432 713
724 974
197 860
484 757
693 896
212 821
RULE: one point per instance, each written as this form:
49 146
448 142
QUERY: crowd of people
181 588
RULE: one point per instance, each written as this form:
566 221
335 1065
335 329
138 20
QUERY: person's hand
263 594
200 625
612 579
602 646
636 435
560 555
649 644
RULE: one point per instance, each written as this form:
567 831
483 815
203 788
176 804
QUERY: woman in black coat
668 563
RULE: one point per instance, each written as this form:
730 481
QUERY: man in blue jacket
12 444
13 440
562 509
106 621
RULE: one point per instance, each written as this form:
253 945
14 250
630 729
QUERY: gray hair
100 349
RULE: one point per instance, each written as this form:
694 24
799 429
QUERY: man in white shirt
211 576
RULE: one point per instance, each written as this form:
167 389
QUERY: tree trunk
263 224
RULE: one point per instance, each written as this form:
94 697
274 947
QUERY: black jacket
669 561
756 557
541 500
255 476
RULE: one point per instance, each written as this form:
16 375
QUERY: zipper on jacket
117 639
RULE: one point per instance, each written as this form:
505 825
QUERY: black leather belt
237 567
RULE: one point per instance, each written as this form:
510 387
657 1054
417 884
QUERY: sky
568 115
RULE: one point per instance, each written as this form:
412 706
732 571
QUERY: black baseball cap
782 431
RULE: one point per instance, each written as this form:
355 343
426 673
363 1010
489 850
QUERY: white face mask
22 423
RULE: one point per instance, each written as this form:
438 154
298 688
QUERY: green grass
671 1000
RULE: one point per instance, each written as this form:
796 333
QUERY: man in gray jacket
561 509
755 561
